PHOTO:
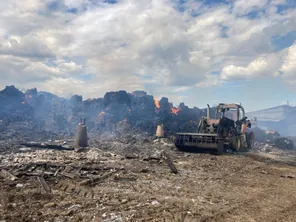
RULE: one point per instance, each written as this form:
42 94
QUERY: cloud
289 67
242 7
147 36
211 80
28 46
282 63
161 46
265 65
289 64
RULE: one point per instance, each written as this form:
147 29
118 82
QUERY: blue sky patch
72 10
110 1
214 2
53 6
280 42
290 4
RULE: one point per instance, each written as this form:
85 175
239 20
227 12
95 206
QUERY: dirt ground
104 184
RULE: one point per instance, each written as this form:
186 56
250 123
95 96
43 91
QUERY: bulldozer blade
199 142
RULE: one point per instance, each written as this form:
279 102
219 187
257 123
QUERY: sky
194 51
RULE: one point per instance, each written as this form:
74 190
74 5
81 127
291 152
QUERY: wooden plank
44 184
46 146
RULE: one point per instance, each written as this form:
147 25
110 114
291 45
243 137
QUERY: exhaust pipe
81 136
208 111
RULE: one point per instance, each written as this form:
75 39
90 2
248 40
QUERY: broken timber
46 146
44 184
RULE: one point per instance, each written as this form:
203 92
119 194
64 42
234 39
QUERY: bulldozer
228 130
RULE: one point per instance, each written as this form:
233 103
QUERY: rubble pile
273 138
117 112
39 116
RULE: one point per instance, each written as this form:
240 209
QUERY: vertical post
208 111
81 135
160 131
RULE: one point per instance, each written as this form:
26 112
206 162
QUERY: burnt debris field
126 173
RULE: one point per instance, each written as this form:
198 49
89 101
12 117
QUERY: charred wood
44 185
46 146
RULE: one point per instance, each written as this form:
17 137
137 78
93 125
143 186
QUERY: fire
156 102
101 113
175 110
29 96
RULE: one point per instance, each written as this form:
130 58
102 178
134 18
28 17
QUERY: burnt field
125 173
130 179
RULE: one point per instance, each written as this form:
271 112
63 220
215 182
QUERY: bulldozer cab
234 112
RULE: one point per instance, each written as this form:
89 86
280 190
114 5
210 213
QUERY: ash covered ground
126 174
127 179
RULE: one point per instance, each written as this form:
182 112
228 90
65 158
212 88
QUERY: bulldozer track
287 211
252 205
69 187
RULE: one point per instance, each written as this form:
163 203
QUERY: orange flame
28 96
175 110
101 113
156 102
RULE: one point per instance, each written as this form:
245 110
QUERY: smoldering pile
117 113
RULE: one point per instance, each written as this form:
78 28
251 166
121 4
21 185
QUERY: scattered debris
131 156
74 207
284 143
155 202
8 175
19 185
288 176
25 149
112 217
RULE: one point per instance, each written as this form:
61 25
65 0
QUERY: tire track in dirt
288 212
254 208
